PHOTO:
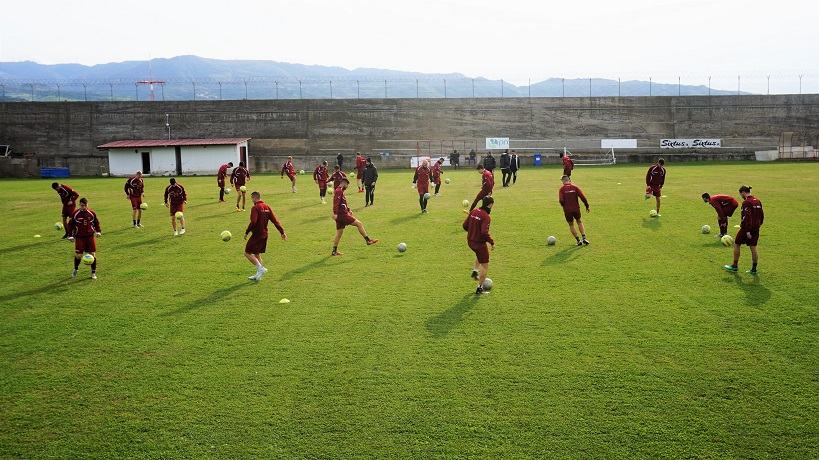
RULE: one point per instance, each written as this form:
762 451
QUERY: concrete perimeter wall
67 133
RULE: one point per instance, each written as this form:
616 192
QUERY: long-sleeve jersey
436 173
288 168
134 186
422 175
321 175
570 196
723 204
239 176
477 226
655 177
176 194
220 176
67 194
568 164
260 215
83 223
487 182
340 207
336 177
752 215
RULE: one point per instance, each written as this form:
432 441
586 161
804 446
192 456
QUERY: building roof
139 143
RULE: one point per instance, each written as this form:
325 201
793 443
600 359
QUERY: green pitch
639 345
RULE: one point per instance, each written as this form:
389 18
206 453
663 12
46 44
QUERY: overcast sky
510 39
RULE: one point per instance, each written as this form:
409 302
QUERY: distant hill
186 76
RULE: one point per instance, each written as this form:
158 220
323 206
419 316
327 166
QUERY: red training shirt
176 193
134 187
67 194
722 203
260 215
239 176
752 215
83 223
340 207
488 181
655 177
569 196
477 227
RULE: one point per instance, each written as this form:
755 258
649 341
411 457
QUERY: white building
178 157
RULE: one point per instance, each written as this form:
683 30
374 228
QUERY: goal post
605 157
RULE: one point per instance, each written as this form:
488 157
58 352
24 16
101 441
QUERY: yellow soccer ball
226 235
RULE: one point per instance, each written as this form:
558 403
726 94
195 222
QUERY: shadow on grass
212 298
563 256
218 216
305 268
23 247
404 219
327 217
652 223
55 287
144 243
442 324
755 293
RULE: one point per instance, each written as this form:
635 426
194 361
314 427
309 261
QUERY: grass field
638 346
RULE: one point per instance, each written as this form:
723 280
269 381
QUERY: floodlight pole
709 86
277 89
501 88
769 85
58 92
331 89
444 88
800 84
220 90
194 89
32 91
473 88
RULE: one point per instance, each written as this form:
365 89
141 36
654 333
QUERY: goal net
604 157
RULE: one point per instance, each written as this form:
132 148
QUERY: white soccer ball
301 171
447 180
551 240
143 206
487 284
58 226
426 196
727 240
243 189
402 247
465 203
227 191
653 213
226 235
88 259
179 215
706 229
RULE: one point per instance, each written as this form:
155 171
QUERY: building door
243 155
146 162
178 160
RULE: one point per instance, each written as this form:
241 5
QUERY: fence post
649 86
193 83
679 86
245 89
357 89
111 86
473 88
590 86
385 89
800 83
709 86
331 89
3 88
529 87
444 88
769 85
501 88
417 91
58 92
162 89
220 90
136 91
738 85
32 91
300 95
277 89
618 86
563 86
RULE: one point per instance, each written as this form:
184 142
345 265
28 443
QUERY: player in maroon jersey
421 181
320 177
360 164
175 200
344 217
568 164
655 179
477 238
752 219
134 188
569 196
69 199
290 170
437 171
338 176
725 205
82 227
260 215
220 179
239 178
487 184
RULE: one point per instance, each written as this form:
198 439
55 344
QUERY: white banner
416 161
497 143
618 143
690 143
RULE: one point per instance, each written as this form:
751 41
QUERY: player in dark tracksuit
489 163
514 166
369 178
506 176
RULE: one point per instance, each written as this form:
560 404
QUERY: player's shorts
322 186
572 216
481 195
68 211
423 189
344 221
359 173
567 172
176 207
85 244
481 251
292 177
135 201
220 183
653 190
742 238
729 211
238 184
256 244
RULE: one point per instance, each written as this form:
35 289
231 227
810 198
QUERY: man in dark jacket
472 156
504 165
340 161
514 166
489 162
369 179
455 159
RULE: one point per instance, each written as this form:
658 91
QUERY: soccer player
69 199
725 205
752 219
568 164
487 184
239 178
655 179
344 217
337 176
288 168
360 164
514 166
175 200
568 195
134 188
421 181
220 179
437 171
83 226
505 165
260 215
320 177
477 238
370 178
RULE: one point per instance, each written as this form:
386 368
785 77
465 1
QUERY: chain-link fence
377 88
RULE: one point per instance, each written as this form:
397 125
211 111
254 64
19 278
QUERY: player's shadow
328 218
755 293
217 216
23 247
563 256
210 299
306 268
442 324
652 223
143 243
404 219
52 288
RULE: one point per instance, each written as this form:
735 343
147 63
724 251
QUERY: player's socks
579 243
76 263
585 241
730 268
479 290
260 273
474 274
134 222
74 273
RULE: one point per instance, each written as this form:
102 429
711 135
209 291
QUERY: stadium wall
67 133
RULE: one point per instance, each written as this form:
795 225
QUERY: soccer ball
426 196
465 203
447 180
727 240
487 284
551 240
227 191
226 235
87 259
179 215
352 174
58 226
301 171
706 229
143 206
243 189
653 213
402 247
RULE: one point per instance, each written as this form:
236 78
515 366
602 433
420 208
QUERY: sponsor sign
618 143
416 161
690 143
497 143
